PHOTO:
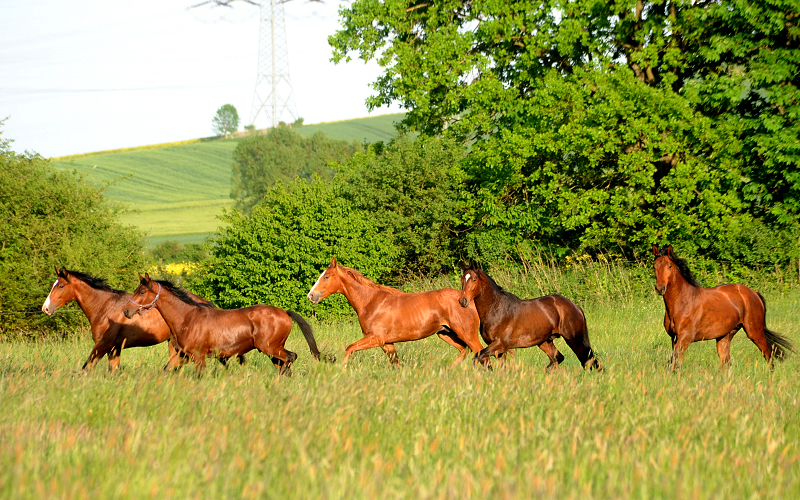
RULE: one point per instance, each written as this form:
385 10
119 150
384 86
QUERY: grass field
422 431
177 190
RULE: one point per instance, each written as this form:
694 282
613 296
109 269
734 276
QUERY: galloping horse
201 330
102 305
508 322
695 313
387 315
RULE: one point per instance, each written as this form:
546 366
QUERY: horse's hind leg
456 342
391 353
724 349
755 332
578 341
551 350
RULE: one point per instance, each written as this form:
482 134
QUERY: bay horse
111 330
201 330
508 322
388 316
695 313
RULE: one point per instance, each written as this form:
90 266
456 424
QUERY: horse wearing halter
149 306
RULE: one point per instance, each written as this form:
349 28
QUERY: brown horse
102 305
695 313
507 322
388 316
201 330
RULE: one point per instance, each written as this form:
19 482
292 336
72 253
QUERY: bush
47 219
275 255
262 160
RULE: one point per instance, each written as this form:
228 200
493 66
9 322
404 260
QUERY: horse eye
327 277
60 286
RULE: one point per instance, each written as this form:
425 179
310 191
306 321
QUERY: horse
695 313
201 330
111 331
508 322
388 316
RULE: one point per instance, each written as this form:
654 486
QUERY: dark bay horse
695 313
201 330
387 315
508 322
102 305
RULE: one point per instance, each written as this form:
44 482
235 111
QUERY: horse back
556 309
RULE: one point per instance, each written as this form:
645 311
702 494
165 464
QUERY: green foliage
50 218
282 154
171 251
275 255
604 125
226 120
412 191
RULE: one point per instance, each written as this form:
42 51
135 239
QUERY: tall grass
422 431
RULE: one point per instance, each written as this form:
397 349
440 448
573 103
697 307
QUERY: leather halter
149 306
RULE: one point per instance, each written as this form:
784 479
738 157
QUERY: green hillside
178 189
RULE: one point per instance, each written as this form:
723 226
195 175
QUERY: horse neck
93 302
173 310
678 287
358 294
488 297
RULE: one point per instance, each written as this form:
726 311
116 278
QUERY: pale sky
91 75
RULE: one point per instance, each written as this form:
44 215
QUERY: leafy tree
413 191
275 255
604 125
226 120
282 154
50 218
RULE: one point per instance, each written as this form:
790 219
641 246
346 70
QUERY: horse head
61 292
470 288
665 268
328 283
144 297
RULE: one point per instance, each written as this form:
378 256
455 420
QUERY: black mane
683 268
182 294
491 281
94 282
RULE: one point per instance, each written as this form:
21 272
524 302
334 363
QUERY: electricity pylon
273 95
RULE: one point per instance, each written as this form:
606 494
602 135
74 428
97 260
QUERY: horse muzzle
313 297
661 290
47 311
128 313
463 301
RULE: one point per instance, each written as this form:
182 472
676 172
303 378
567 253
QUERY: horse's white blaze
466 278
46 304
317 282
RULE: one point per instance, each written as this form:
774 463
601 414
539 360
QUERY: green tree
414 193
281 155
275 255
604 125
50 218
226 120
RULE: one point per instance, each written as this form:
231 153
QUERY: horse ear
655 250
333 263
463 266
147 276
57 272
669 252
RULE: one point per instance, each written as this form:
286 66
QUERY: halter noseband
147 307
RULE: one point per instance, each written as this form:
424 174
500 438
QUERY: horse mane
492 282
181 294
683 268
94 282
363 280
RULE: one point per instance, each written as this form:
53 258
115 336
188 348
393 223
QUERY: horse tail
778 343
309 335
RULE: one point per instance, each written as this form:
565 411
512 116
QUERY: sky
91 75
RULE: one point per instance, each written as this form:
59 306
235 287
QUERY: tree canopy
226 120
604 125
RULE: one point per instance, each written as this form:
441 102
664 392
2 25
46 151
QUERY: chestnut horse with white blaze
388 316
695 313
102 305
508 322
201 331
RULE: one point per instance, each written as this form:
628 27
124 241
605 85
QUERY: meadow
424 430
177 190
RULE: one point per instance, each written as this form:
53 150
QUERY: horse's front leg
493 349
551 350
681 344
369 341
99 350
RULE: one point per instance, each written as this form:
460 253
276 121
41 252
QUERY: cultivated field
421 431
179 189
